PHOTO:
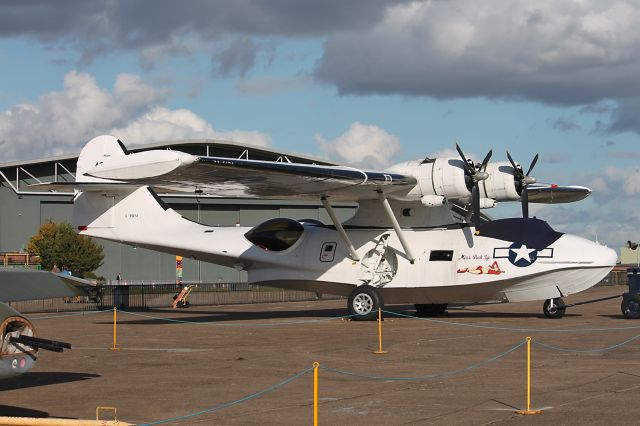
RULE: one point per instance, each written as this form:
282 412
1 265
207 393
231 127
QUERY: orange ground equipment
181 300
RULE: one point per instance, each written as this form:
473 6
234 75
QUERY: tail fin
95 209
115 211
97 151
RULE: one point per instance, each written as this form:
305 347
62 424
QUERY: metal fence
154 295
614 278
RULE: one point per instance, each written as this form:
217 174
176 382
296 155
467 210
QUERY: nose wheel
554 308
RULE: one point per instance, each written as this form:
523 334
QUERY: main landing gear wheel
630 307
364 303
431 309
554 308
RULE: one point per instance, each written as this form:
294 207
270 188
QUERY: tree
58 244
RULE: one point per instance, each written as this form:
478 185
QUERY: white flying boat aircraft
409 241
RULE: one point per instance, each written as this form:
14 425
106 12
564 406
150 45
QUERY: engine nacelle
433 200
15 359
500 185
443 178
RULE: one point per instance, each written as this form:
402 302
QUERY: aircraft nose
602 255
584 250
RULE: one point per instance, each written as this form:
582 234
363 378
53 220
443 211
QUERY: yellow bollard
380 351
115 321
315 393
528 411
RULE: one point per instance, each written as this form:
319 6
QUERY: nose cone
602 255
584 251
583 263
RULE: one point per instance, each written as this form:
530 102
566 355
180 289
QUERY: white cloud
61 122
162 124
362 145
615 182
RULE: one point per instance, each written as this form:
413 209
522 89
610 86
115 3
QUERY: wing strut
396 226
340 229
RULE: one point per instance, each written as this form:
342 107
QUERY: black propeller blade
522 181
468 165
476 173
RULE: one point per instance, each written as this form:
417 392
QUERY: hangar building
22 212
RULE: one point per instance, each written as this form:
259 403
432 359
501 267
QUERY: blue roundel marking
521 256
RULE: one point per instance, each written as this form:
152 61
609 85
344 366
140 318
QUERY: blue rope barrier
229 404
70 315
240 325
528 330
427 376
608 348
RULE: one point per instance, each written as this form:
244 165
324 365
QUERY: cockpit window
275 234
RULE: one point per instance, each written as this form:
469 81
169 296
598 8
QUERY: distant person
55 269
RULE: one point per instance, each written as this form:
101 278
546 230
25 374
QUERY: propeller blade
516 172
486 160
471 170
533 163
475 202
525 203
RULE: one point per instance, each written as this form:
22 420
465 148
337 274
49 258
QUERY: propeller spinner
522 181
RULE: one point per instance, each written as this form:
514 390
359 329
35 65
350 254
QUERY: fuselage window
328 252
275 234
441 255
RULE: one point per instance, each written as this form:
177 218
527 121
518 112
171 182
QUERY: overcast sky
364 82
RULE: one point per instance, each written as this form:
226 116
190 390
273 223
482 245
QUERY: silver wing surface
228 177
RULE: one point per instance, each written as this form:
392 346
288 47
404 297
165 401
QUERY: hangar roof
212 147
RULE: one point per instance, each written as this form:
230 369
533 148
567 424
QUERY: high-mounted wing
105 164
228 177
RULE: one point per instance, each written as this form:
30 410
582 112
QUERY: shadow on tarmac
221 316
190 315
619 317
8 410
44 378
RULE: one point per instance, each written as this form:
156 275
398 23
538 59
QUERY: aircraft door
440 267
